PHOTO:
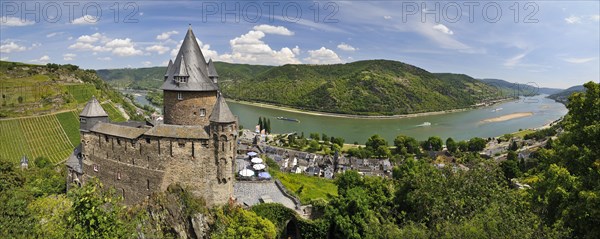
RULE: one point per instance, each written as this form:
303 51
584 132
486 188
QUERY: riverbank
507 117
318 113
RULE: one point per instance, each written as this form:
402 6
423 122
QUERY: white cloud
346 47
100 43
595 18
92 38
580 60
514 60
43 59
104 58
166 35
147 63
160 49
296 50
573 20
141 13
11 47
53 34
69 56
443 29
14 21
249 48
279 30
322 56
387 17
86 20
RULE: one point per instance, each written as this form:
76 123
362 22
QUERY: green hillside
41 105
374 87
151 78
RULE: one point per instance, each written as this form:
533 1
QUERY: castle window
147 184
82 120
106 138
95 168
132 143
204 143
181 144
179 96
118 141
202 112
148 140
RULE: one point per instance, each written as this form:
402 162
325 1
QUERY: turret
223 129
212 72
91 114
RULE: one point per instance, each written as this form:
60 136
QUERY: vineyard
114 114
52 136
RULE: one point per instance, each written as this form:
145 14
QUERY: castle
195 146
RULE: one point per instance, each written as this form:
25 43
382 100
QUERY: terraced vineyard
52 136
114 114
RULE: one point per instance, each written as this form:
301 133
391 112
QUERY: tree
96 213
260 123
324 137
435 143
406 145
339 141
463 146
42 162
50 213
382 152
451 145
513 146
314 146
314 136
268 128
476 144
235 222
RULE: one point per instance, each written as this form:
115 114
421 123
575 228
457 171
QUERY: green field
38 136
113 113
313 187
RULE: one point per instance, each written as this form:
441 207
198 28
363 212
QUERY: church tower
189 90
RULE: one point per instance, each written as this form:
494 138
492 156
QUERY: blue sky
552 43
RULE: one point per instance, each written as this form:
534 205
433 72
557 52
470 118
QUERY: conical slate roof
212 71
93 109
191 60
221 112
168 68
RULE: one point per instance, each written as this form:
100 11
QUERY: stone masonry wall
137 168
187 110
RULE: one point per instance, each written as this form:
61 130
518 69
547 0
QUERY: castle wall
138 168
187 110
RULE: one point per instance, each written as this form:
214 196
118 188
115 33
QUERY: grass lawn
312 187
522 133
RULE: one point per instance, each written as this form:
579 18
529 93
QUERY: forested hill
373 87
531 88
563 96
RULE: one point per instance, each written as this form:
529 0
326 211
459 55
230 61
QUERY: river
458 125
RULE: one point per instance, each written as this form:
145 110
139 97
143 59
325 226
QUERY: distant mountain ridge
371 87
522 89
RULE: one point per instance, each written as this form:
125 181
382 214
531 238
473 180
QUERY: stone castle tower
195 147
